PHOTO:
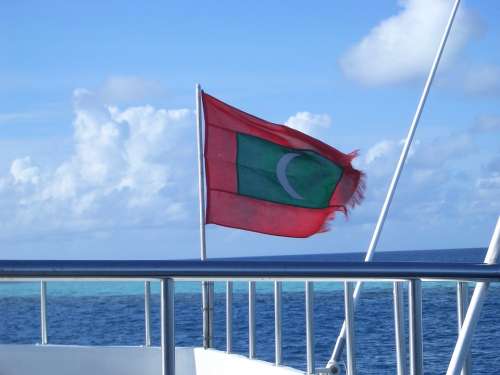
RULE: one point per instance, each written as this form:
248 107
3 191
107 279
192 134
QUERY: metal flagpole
339 345
206 285
462 346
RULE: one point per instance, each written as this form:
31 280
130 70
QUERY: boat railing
168 272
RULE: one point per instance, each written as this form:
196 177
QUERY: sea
112 313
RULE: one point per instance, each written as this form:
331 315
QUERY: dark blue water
119 320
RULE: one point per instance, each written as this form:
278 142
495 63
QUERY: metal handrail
244 270
168 271
147 313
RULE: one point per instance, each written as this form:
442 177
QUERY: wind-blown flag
270 178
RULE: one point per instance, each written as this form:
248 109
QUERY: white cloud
127 167
309 123
381 158
24 172
119 89
379 150
402 47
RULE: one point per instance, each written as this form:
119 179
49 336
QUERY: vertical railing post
278 354
167 326
211 302
147 313
251 319
229 317
462 304
208 312
349 324
309 295
415 331
43 313
399 328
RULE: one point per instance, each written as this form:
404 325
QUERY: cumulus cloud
24 172
379 150
309 123
402 47
384 150
127 167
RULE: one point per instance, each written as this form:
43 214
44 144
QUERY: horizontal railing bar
267 279
260 270
34 279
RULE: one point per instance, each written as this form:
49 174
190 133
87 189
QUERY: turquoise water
120 288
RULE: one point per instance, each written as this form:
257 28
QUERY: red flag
272 179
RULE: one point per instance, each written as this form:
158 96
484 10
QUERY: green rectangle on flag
274 173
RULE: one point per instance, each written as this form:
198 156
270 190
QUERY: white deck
102 360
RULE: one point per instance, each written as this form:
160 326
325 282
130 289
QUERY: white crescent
281 174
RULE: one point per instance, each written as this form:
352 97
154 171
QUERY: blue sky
97 153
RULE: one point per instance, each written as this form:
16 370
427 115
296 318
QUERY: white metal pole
278 353
399 328
167 319
229 317
309 296
415 322
251 320
462 346
206 286
462 304
339 345
147 313
43 312
350 335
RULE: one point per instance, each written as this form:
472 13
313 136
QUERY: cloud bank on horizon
137 167
122 172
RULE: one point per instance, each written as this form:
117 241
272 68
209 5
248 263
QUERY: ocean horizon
110 288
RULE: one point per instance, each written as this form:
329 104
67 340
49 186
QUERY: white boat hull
102 360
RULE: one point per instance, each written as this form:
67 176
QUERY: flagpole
207 295
339 345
